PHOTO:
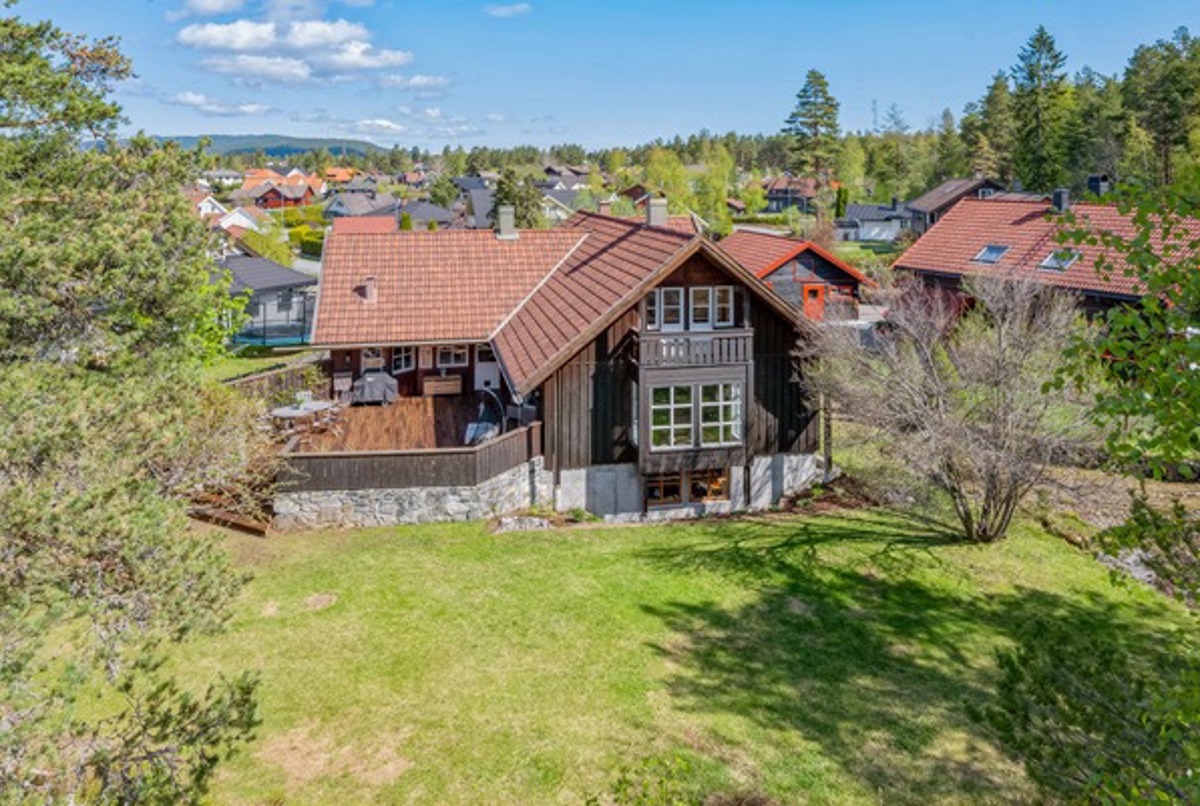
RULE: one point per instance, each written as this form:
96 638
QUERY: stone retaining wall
526 485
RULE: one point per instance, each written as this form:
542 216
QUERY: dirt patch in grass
270 609
320 601
307 753
844 492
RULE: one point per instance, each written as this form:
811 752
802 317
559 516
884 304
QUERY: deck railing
467 466
695 349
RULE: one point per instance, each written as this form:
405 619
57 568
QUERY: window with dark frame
663 489
453 356
708 485
404 359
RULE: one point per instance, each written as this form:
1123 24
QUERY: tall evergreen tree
1160 88
950 156
813 127
996 111
1040 103
1095 129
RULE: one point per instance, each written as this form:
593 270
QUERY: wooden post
827 439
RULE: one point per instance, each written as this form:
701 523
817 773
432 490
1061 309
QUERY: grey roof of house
469 183
420 210
564 197
950 191
259 274
361 183
482 201
364 204
875 212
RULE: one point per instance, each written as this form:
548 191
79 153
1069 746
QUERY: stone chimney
1017 186
506 226
1099 185
656 212
1061 199
369 290
604 208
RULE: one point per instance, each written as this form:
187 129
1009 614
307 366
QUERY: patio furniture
343 383
442 385
375 387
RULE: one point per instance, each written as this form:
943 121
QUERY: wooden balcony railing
696 349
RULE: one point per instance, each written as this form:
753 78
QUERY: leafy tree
443 192
1161 88
1096 128
269 245
813 127
524 197
109 433
1040 104
1137 164
714 190
754 196
852 166
666 174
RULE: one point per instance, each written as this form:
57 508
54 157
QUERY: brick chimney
656 212
506 226
369 290
604 208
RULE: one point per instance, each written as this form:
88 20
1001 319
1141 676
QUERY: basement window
991 253
1060 260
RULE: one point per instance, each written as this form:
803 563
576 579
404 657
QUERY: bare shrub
957 386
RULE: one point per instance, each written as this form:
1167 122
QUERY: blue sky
596 72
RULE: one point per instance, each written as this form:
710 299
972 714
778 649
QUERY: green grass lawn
249 360
856 252
814 659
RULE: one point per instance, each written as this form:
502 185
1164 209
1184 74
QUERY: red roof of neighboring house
685 223
364 224
762 253
339 174
257 176
1028 229
806 186
236 232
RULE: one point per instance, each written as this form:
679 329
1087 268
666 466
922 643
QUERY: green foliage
666 174
1165 543
813 127
1161 87
312 243
406 222
443 192
432 225
296 216
1041 101
525 198
1093 722
296 235
265 244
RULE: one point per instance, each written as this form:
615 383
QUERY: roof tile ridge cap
537 287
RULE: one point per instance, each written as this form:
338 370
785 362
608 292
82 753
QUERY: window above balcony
675 309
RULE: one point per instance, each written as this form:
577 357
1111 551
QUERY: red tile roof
364 224
685 222
449 285
762 253
1028 228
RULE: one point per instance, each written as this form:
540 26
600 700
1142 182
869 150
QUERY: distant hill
276 145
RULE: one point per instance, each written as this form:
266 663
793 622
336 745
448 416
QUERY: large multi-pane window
686 487
704 415
455 355
671 417
404 359
673 309
721 414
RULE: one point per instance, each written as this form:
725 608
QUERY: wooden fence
435 467
280 384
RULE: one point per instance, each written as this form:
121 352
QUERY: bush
312 243
406 222
296 235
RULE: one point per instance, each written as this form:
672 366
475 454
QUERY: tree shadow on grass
874 669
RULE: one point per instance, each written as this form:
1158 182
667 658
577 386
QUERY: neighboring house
243 218
280 306
415 180
735 206
873 222
363 183
1016 239
204 204
479 208
358 203
338 176
784 192
222 178
644 372
422 212
360 226
927 209
467 184
815 282
270 196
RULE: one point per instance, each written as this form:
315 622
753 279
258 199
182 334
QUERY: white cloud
414 82
271 68
239 35
209 106
511 10
321 33
495 117
362 56
285 10
204 8
379 126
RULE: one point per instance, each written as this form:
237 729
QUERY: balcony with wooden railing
709 348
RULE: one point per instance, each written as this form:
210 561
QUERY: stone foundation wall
527 485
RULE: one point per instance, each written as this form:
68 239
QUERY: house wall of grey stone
781 474
528 484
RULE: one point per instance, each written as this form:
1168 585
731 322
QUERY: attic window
1060 260
986 193
991 253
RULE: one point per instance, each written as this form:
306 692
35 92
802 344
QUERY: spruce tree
1160 88
996 112
813 127
1040 103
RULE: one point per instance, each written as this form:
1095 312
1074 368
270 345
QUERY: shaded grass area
249 360
817 660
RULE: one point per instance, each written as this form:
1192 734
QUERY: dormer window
1060 260
991 253
986 193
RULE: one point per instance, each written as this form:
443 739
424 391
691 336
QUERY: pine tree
1160 88
1040 103
813 127
998 125
950 156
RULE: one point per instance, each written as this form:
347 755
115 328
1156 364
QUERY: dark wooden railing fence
697 349
435 467
278 384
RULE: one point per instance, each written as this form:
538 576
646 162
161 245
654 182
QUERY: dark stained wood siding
779 420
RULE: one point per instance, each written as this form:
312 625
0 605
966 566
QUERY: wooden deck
408 423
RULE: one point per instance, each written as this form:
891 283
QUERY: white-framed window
725 297
670 308
404 359
701 313
652 322
453 355
670 417
372 358
720 414
1060 260
991 253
